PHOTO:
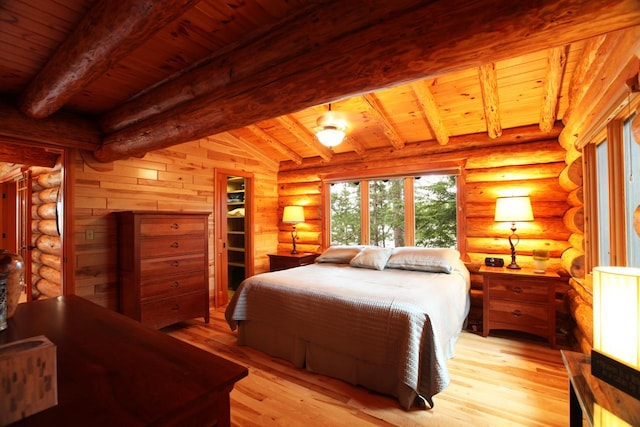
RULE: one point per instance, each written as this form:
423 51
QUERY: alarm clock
494 262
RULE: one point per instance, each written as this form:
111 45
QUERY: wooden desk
600 403
112 371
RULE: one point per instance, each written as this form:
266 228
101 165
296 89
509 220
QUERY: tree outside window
434 222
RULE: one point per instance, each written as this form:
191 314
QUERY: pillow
371 257
339 254
435 260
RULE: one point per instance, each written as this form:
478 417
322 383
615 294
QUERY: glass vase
11 284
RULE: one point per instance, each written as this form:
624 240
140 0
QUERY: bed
385 319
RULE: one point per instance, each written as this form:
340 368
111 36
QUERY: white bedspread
406 321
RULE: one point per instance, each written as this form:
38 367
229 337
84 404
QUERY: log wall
533 168
46 257
177 179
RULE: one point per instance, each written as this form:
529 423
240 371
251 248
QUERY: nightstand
285 260
519 300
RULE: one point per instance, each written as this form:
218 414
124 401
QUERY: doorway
32 215
233 232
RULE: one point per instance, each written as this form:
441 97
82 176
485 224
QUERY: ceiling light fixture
331 129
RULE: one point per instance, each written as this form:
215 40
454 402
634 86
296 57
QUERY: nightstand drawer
520 290
519 314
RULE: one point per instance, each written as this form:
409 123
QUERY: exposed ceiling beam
376 112
580 71
356 145
490 100
69 130
556 63
246 145
276 144
398 49
300 132
591 63
107 33
431 112
614 67
455 148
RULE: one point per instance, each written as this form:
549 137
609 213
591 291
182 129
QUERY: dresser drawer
163 312
171 265
170 286
169 226
519 314
518 290
174 245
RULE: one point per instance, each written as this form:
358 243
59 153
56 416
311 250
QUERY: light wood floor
495 381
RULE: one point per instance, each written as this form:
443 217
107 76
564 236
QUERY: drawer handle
175 285
175 307
175 245
175 264
517 290
516 313
175 226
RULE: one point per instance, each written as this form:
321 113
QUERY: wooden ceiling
130 76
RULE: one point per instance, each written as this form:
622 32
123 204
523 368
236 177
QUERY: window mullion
617 223
409 212
364 213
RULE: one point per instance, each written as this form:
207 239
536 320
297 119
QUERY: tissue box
28 380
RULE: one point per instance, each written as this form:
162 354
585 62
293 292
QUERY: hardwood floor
495 381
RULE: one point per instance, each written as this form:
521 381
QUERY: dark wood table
599 403
112 371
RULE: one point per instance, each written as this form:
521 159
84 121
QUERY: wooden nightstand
285 260
519 300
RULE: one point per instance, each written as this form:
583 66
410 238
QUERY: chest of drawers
163 266
519 300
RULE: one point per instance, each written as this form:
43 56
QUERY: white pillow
339 254
371 257
436 260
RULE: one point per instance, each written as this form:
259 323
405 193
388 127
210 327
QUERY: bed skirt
329 361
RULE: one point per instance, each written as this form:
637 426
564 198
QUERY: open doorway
32 215
233 231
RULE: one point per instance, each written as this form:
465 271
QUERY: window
392 212
613 167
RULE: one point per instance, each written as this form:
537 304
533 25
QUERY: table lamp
293 215
615 357
513 209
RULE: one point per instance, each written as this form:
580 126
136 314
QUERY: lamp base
618 374
513 266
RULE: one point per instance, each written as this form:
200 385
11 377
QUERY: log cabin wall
533 168
180 178
46 256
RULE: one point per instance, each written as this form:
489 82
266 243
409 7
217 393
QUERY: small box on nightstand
28 377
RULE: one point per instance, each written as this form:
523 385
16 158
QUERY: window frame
436 168
613 134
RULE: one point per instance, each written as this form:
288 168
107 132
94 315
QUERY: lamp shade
616 313
513 209
293 215
330 136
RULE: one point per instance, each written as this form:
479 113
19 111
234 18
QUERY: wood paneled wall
180 178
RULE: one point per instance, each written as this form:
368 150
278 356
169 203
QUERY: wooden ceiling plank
430 108
387 56
302 134
275 143
490 100
376 111
107 33
556 63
